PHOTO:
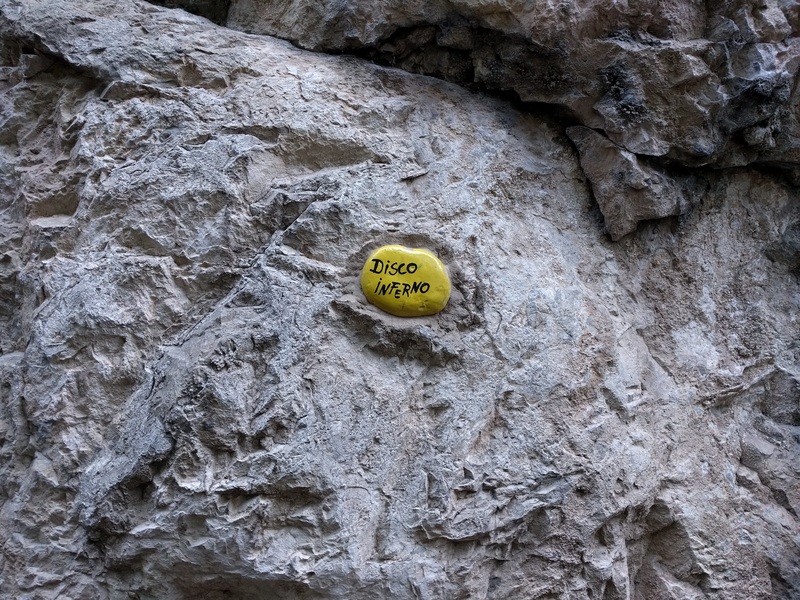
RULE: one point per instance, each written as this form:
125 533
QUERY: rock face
199 402
684 82
699 83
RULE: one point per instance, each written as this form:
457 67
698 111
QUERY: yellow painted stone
406 282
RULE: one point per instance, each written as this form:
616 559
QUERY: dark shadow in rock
213 10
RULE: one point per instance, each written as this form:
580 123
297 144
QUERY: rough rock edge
653 81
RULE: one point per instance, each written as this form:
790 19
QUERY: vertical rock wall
198 402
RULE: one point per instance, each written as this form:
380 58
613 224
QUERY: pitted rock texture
198 401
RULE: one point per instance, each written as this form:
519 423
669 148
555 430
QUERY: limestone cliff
198 402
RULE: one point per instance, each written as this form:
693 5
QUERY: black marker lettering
398 289
377 266
410 270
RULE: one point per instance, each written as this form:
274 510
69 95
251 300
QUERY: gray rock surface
685 82
675 78
626 189
198 402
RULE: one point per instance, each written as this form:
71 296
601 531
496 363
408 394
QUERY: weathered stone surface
687 82
196 401
627 190
676 78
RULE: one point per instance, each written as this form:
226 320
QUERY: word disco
397 289
394 268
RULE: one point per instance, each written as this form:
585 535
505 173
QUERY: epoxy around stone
406 282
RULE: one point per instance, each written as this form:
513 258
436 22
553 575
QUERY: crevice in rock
601 79
213 10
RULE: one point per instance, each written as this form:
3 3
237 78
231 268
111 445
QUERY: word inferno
398 289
